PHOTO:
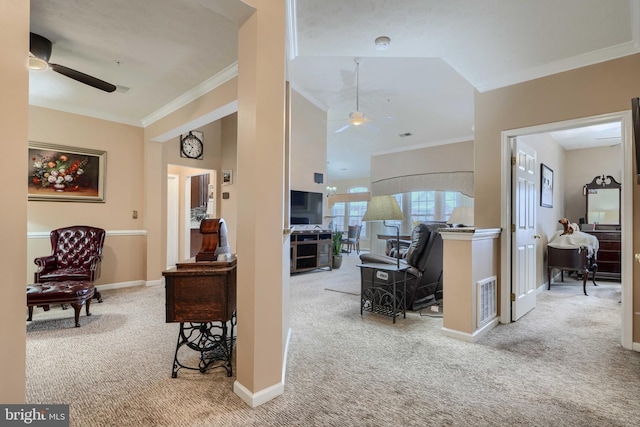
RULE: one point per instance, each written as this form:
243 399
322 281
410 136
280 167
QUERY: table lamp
462 216
385 208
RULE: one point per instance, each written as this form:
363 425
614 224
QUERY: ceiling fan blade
39 46
83 78
343 128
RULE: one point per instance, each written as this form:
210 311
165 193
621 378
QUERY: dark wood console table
202 297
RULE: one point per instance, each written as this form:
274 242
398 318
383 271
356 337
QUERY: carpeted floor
560 365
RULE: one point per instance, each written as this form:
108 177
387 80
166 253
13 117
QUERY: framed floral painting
66 174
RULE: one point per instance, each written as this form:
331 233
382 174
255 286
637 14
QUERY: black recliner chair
424 257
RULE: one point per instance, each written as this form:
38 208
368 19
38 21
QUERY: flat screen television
306 207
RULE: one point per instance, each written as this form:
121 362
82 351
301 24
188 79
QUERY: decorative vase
59 187
337 261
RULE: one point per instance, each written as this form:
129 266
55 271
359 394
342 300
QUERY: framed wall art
546 186
227 177
59 173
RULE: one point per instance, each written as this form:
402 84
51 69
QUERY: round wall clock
191 146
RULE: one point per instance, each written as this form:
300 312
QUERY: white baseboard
155 282
474 337
257 399
286 352
263 396
635 346
121 285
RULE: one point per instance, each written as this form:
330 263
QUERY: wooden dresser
609 253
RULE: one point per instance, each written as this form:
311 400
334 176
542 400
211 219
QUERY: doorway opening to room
571 207
191 197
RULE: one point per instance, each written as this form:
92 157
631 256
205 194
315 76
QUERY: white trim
470 233
263 396
121 285
286 353
635 346
257 399
198 122
292 30
83 111
467 337
157 282
46 234
207 86
628 180
578 61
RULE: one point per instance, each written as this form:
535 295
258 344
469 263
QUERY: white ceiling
169 51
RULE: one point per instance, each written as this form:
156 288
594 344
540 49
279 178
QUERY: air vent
486 298
404 135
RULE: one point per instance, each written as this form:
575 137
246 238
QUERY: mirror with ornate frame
603 201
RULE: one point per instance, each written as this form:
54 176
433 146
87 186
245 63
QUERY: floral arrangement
57 171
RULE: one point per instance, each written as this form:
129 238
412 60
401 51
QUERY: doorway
624 118
173 192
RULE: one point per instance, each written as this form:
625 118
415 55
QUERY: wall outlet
134 215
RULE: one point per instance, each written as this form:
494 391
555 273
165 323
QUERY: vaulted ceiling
161 53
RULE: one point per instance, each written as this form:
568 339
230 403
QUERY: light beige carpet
561 365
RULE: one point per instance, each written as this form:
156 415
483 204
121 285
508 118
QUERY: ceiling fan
39 54
356 118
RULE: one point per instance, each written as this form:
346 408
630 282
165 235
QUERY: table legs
213 340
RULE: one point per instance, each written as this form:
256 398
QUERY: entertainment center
310 250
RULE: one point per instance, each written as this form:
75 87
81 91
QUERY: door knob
536 236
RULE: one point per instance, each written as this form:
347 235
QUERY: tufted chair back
76 253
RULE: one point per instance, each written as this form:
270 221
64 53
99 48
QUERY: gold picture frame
59 173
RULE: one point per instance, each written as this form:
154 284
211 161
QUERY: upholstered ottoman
76 293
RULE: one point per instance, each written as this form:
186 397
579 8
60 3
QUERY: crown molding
83 112
578 61
207 86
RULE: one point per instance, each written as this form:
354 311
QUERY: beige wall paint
308 144
14 116
581 166
185 168
261 149
228 208
155 170
123 193
440 158
590 91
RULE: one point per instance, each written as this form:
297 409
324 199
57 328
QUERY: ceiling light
382 43
356 118
37 63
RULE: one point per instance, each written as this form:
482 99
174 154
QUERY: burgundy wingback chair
76 253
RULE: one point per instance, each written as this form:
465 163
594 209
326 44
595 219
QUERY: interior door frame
173 200
628 180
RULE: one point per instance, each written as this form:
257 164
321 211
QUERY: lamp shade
383 208
462 215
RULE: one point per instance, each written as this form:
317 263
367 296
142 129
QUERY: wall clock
191 146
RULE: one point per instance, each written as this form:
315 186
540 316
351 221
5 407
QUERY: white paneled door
523 269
